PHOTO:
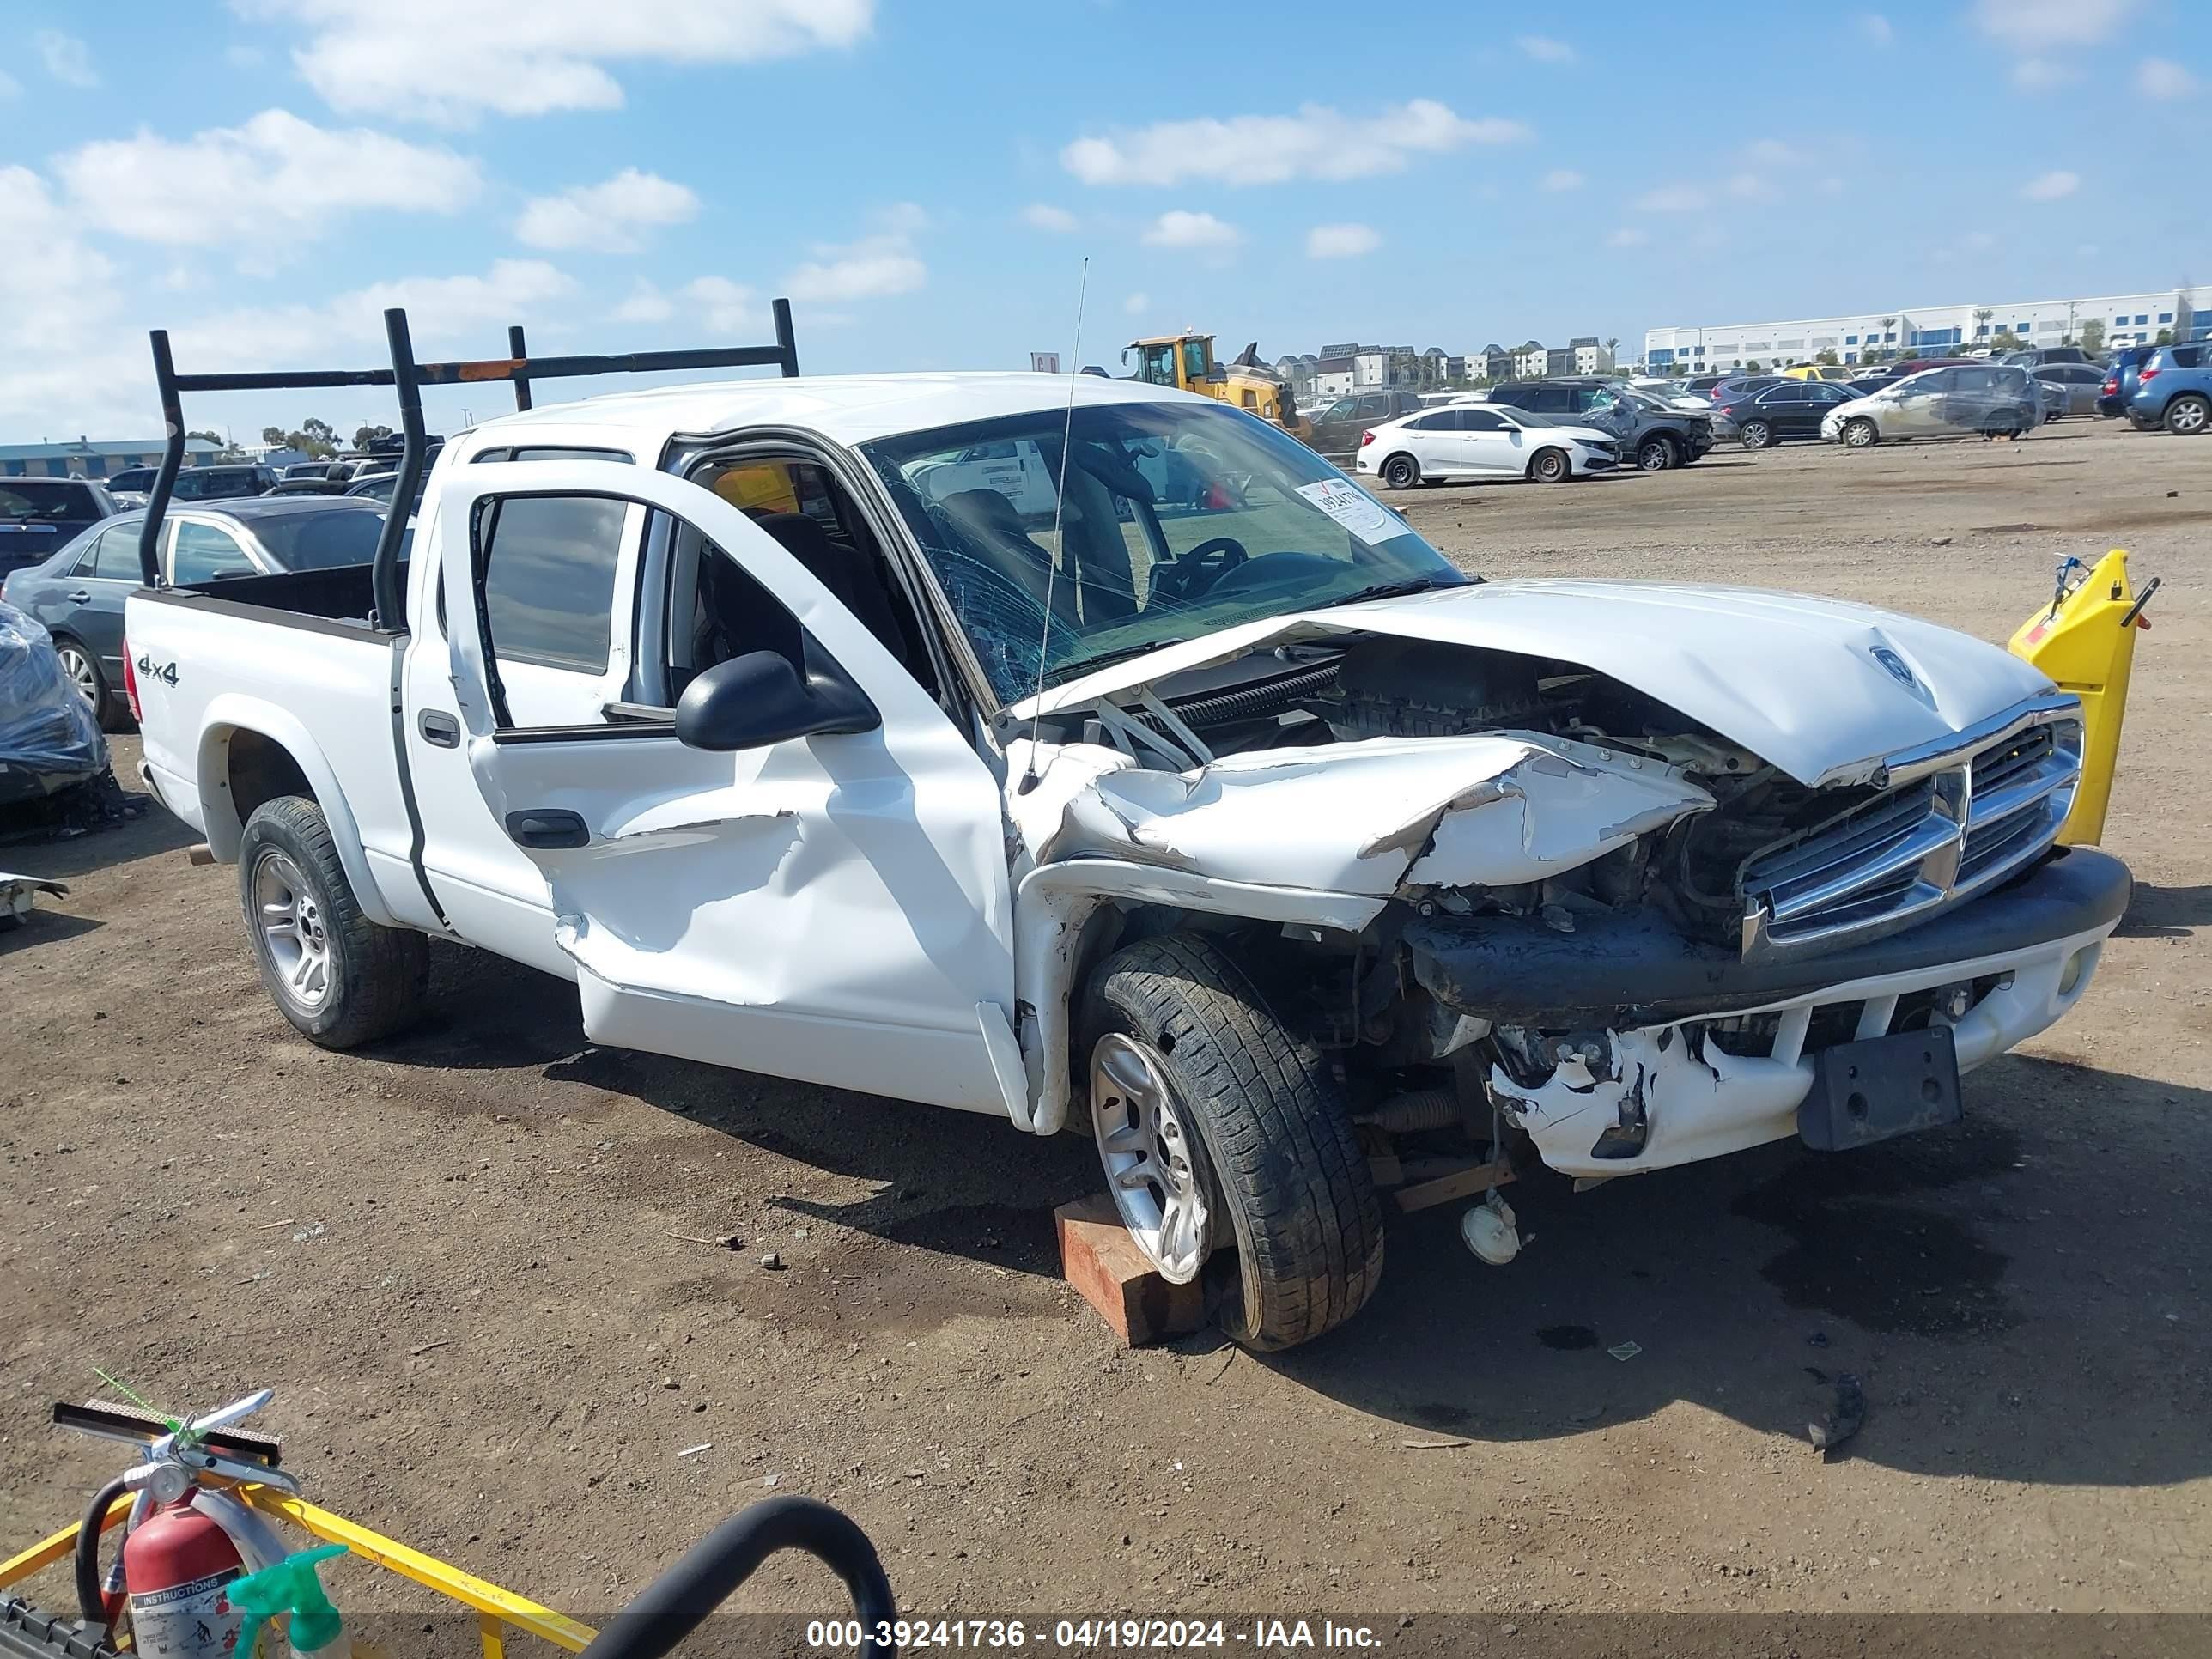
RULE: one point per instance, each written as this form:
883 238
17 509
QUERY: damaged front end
1619 936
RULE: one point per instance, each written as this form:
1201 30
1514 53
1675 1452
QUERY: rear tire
1859 433
1757 434
82 666
2188 416
340 978
1296 1226
1550 466
1401 472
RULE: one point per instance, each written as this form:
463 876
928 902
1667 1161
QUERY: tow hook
1488 1229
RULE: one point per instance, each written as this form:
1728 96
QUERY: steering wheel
1196 571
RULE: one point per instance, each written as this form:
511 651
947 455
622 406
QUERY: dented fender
1491 810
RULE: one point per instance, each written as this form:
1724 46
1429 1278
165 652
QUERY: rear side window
43 500
2189 356
205 553
113 555
320 541
549 563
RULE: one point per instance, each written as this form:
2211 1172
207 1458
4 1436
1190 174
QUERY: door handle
442 731
80 597
548 829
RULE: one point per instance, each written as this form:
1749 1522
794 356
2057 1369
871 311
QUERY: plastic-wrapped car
49 735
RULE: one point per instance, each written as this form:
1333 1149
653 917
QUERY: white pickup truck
1313 856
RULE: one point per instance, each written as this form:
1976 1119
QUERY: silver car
1991 400
2071 388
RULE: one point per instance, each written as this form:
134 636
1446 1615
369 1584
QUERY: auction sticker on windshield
1351 507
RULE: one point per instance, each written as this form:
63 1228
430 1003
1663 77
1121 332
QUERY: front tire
1261 1162
1655 455
2187 415
340 978
1757 434
1401 472
1550 466
1859 434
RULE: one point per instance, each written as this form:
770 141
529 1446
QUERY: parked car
77 593
1818 372
1482 440
1776 414
2077 385
38 516
1336 430
49 738
740 819
2173 389
2038 356
313 469
1991 400
307 487
2121 376
199 483
1651 435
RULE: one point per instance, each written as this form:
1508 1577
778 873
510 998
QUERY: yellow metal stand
497 1610
2085 641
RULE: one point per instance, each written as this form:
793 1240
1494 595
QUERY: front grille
1918 847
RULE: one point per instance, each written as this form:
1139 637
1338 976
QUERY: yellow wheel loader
1187 362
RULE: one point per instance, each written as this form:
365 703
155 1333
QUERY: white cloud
1042 215
10 86
435 61
1137 304
726 306
1317 143
2040 75
609 216
48 299
879 264
646 304
1180 228
274 178
67 58
1545 49
2035 25
1875 29
1674 199
1627 236
1750 187
2054 186
1560 178
2162 77
1341 241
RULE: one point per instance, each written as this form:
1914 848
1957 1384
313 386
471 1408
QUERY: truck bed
341 594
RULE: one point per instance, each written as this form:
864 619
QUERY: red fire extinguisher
177 1566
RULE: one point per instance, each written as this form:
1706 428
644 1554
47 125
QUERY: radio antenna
1059 506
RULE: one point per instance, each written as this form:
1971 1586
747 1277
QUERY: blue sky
924 179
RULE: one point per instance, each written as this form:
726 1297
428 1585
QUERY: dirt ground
456 1256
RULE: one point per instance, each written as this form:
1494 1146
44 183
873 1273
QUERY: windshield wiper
1395 590
1106 658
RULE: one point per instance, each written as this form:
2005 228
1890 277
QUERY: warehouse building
87 459
1932 330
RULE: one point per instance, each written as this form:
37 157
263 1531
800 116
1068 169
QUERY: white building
1531 361
1589 356
1930 330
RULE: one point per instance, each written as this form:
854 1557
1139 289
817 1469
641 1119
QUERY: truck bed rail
408 378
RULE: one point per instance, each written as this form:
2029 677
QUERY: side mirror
758 699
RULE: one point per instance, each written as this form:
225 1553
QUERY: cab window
1194 364
1156 363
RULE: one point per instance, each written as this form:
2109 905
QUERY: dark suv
1336 428
39 515
1652 436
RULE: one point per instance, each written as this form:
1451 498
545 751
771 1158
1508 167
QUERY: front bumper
1665 1053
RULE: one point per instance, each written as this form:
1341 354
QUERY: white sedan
1482 440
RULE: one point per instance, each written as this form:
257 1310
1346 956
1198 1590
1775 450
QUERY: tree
1888 324
318 439
365 436
2165 337
1826 355
2093 336
2004 340
210 435
272 435
1982 315
1752 366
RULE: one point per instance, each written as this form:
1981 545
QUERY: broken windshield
1179 518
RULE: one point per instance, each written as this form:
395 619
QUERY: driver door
833 908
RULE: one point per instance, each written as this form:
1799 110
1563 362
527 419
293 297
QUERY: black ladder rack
408 377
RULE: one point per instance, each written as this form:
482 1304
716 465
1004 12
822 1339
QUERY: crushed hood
1823 688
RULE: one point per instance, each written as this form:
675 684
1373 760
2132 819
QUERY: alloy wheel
1150 1160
